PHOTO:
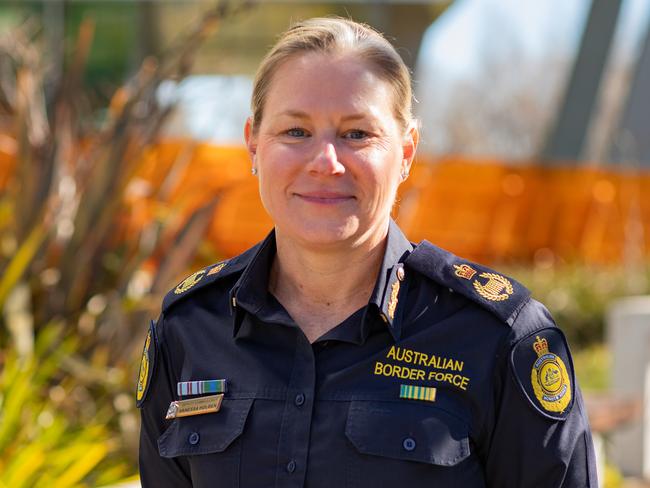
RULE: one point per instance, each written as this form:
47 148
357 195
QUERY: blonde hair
336 36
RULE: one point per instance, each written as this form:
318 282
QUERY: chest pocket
209 442
409 444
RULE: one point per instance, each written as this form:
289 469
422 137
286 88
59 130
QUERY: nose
326 161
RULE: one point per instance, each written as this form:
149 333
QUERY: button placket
296 420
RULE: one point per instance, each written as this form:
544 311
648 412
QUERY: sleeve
541 434
154 394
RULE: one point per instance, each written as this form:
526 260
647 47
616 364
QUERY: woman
335 353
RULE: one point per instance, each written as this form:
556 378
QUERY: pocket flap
207 433
408 431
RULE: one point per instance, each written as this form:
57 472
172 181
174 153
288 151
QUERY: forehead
316 82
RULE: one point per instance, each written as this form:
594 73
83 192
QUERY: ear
409 147
250 138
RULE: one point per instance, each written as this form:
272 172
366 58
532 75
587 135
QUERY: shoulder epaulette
206 277
502 296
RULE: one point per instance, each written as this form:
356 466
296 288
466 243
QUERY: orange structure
493 211
484 210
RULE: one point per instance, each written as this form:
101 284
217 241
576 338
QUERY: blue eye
356 134
296 132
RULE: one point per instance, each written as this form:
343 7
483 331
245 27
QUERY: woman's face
329 151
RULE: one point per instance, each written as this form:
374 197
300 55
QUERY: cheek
381 173
272 162
277 169
271 183
276 158
272 196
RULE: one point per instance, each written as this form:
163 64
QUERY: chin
321 232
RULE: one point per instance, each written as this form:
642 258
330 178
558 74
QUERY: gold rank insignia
464 271
189 282
392 302
550 379
215 269
497 288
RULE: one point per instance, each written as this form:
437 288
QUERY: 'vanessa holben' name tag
195 406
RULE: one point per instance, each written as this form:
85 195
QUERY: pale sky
454 44
453 50
520 36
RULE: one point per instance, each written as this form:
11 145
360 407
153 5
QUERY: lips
324 197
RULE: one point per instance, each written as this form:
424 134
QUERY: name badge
195 406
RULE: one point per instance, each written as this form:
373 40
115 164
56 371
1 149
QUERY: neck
326 285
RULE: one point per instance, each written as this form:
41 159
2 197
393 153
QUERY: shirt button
299 400
291 466
409 444
193 438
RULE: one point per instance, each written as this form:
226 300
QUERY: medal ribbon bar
185 388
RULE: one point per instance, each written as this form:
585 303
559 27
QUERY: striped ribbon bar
199 387
413 392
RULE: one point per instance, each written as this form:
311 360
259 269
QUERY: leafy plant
75 287
41 444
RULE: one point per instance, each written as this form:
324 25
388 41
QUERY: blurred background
122 169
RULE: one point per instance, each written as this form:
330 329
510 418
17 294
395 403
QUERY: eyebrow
303 115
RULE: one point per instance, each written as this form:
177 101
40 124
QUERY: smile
324 198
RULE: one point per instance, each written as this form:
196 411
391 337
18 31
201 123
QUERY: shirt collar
251 290
389 284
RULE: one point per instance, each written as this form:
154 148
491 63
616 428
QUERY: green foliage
39 443
76 289
578 296
592 366
115 35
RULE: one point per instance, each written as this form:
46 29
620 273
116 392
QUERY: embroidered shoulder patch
147 364
212 274
502 296
543 369
189 282
196 281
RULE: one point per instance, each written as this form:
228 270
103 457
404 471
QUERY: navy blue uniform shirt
450 376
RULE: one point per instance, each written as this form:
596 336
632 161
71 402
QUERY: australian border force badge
550 379
540 364
147 363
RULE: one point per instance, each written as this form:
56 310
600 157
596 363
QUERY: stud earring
254 171
404 174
